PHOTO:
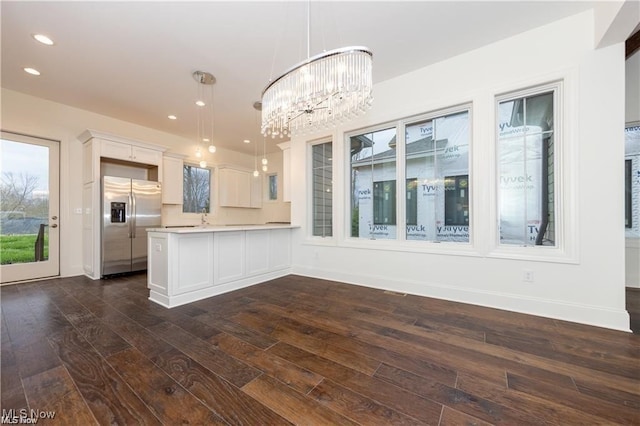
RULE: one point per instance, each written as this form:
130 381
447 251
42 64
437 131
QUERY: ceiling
134 60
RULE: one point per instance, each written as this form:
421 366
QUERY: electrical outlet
527 276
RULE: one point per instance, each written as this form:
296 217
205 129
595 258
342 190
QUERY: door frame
19 272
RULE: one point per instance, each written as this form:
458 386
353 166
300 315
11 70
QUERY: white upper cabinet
238 188
172 180
127 152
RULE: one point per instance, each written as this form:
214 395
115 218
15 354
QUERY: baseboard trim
573 312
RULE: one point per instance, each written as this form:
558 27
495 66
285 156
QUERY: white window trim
400 243
318 239
565 170
267 194
213 202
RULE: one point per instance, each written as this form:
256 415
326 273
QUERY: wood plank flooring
303 351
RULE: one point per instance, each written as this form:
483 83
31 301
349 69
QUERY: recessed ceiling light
172 117
200 103
43 39
246 141
31 71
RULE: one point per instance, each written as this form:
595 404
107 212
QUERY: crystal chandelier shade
319 92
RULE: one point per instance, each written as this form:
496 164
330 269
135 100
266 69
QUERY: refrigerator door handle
129 213
133 215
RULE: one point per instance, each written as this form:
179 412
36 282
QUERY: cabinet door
172 180
117 150
123 151
227 188
234 188
145 155
244 189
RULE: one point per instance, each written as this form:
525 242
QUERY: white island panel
279 249
194 251
257 260
158 265
189 264
230 254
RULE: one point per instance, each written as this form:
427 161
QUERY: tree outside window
196 189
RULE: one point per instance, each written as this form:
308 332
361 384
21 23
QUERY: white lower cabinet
193 265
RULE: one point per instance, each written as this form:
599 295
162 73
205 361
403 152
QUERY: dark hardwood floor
303 351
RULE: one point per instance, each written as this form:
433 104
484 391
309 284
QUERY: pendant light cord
308 29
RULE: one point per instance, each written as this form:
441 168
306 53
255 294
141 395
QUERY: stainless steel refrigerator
129 207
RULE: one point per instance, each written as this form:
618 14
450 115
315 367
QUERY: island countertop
219 228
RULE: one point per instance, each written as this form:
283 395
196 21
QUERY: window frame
628 193
566 171
268 184
401 241
311 199
528 93
432 116
389 125
212 179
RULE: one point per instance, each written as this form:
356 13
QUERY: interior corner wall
39 117
589 289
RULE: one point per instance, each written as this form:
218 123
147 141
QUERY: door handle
55 225
134 212
54 218
129 215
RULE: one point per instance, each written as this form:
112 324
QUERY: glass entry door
29 208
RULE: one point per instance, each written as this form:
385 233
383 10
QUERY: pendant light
205 114
258 107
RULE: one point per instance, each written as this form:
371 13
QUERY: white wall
583 279
278 210
38 117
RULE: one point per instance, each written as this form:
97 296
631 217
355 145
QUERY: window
632 180
628 221
384 203
456 200
412 201
373 189
196 184
437 165
322 189
273 187
526 174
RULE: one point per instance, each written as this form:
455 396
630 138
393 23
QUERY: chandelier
204 118
318 92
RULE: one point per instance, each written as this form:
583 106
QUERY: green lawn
20 248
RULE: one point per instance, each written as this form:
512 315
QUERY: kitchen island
192 263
